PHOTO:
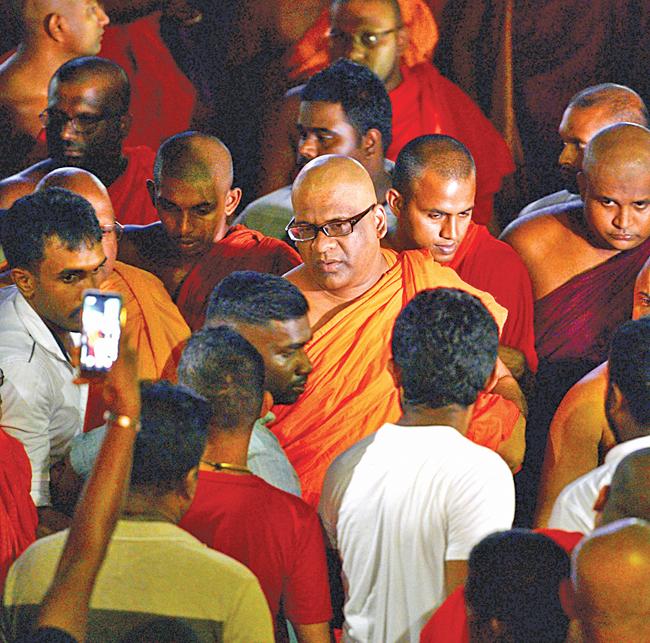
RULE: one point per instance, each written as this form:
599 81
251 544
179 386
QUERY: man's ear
233 197
492 380
381 221
568 598
601 500
151 188
582 184
402 40
615 399
395 201
395 372
372 143
55 26
125 125
25 280
189 484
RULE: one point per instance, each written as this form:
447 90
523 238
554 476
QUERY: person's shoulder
18 185
138 279
489 248
550 201
534 233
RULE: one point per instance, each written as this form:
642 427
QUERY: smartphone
101 314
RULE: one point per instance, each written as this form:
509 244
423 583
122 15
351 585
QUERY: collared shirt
574 508
41 406
266 458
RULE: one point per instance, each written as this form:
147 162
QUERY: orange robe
18 517
155 325
240 249
350 393
129 194
162 98
492 265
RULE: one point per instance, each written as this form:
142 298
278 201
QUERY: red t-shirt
275 534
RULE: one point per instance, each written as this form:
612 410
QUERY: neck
62 337
227 446
453 415
110 169
41 59
144 506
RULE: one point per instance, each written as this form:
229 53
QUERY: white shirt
574 508
41 406
397 505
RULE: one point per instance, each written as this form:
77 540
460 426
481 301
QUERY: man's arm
455 574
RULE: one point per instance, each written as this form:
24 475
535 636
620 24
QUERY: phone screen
100 330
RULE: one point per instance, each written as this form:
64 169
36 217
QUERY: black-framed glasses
366 39
82 124
117 228
337 228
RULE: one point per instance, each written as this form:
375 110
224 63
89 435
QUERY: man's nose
308 147
570 156
449 228
623 218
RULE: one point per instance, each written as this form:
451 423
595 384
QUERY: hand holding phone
101 315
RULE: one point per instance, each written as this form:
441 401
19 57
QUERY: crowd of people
347 405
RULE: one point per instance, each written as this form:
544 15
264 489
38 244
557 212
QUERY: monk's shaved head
93 69
617 102
194 156
610 575
393 4
629 493
624 145
444 155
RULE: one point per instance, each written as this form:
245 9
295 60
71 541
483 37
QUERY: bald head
393 4
92 189
617 103
623 146
610 574
629 492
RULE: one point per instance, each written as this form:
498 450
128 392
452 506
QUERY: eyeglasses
339 228
365 39
82 124
117 228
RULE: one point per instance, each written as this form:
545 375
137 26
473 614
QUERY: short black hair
445 344
629 366
514 576
254 298
223 367
444 154
175 422
84 67
359 91
33 219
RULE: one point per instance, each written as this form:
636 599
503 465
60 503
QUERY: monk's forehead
368 8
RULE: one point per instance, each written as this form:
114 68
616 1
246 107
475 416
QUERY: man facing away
53 32
429 493
275 534
355 290
193 247
433 196
86 121
588 112
153 568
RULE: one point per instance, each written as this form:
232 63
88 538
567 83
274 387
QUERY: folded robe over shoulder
492 265
350 392
18 517
240 249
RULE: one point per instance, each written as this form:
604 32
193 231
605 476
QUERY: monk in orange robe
85 122
192 247
579 436
434 188
373 33
355 292
157 330
18 517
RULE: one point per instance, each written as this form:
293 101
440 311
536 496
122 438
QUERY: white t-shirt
574 508
397 505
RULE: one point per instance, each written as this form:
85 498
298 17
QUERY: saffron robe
18 517
156 327
350 392
129 194
426 102
240 249
162 98
492 265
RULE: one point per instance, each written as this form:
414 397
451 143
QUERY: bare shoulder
534 235
16 186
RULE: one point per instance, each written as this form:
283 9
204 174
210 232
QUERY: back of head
609 574
360 93
34 219
514 577
620 103
174 428
629 367
629 492
620 147
448 157
219 364
103 71
445 346
193 156
255 298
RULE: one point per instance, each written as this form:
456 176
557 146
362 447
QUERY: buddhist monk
583 263
372 32
193 247
433 194
53 32
355 291
86 121
579 436
588 112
